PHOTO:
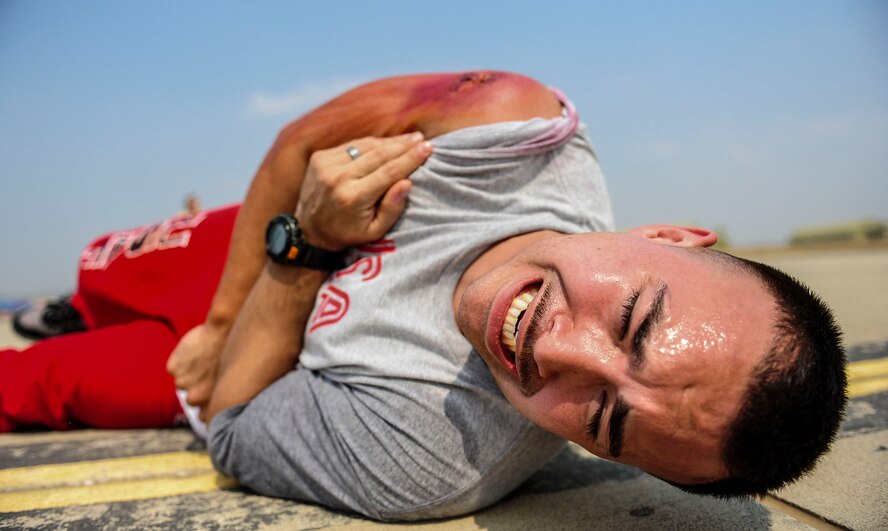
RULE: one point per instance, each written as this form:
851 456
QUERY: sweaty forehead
701 358
696 372
718 324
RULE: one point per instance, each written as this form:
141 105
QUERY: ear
676 235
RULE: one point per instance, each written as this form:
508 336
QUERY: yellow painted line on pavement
867 377
867 387
868 368
108 480
176 473
104 470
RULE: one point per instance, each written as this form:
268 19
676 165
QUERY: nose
586 354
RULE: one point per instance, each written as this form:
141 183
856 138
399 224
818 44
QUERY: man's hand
346 201
194 362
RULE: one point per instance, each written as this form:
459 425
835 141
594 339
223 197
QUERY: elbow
222 440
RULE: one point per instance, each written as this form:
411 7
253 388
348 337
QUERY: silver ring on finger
353 152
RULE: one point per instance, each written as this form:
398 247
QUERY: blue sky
758 117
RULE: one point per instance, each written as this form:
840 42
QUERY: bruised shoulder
431 103
445 102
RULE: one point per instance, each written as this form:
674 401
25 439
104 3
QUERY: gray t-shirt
390 412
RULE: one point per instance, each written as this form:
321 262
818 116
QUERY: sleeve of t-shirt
278 444
372 451
307 437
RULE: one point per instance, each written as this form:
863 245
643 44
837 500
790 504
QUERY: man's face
633 347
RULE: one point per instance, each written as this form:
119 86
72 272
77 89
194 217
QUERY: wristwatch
285 244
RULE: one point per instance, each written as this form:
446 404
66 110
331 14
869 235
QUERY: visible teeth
510 324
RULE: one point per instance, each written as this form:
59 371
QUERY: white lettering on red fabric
333 301
169 234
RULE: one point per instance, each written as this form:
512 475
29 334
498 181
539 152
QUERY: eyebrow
595 422
615 429
655 313
626 313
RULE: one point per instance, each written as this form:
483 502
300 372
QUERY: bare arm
267 336
373 109
432 104
277 184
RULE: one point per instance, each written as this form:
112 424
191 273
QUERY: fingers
398 162
172 364
365 145
198 396
339 155
383 151
390 208
382 162
345 202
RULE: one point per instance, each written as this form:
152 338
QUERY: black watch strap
285 244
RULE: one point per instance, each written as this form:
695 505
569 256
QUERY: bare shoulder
445 102
432 103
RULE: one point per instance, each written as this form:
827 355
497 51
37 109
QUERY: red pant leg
164 271
114 377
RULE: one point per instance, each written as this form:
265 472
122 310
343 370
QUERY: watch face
277 239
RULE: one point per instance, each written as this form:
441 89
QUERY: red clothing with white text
139 291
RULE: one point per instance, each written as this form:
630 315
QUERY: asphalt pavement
162 479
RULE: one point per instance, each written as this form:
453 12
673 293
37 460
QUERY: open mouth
513 320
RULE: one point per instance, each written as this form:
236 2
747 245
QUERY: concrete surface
854 282
162 479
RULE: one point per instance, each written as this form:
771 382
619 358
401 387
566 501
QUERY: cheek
468 320
473 305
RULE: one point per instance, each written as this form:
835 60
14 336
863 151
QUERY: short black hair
796 397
